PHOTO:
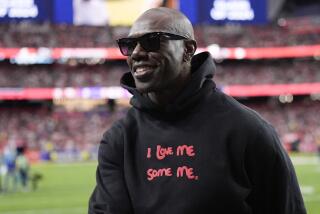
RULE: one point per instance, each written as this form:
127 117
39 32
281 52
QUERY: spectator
23 167
10 173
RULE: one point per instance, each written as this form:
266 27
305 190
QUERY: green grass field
308 172
66 187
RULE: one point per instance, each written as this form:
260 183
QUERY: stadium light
315 97
286 98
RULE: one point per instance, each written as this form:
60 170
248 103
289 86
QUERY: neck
164 97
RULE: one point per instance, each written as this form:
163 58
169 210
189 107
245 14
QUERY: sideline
305 160
61 164
67 210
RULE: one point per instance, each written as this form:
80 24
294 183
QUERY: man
23 167
185 147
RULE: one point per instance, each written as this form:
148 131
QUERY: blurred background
59 86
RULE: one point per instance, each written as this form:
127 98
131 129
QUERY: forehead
141 28
152 24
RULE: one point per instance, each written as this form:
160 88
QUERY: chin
145 88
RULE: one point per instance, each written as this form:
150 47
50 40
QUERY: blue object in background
199 12
63 12
36 10
225 11
54 11
190 9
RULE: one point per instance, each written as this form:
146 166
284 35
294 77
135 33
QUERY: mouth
143 72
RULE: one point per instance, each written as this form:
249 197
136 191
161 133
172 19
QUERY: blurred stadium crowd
42 128
50 128
268 72
286 32
39 127
109 73
61 75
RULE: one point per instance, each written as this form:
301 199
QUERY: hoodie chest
190 157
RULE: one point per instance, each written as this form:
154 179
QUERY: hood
200 84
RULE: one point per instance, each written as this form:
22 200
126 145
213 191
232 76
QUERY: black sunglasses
149 42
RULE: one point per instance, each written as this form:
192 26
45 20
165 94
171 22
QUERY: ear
190 49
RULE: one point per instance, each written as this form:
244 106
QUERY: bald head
161 63
163 19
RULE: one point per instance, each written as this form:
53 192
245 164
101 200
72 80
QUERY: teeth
142 69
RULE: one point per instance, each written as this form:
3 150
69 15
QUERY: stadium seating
288 32
60 75
38 126
268 72
293 122
35 127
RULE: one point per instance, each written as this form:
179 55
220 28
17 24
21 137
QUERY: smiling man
159 49
185 147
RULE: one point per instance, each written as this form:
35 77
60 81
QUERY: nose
139 53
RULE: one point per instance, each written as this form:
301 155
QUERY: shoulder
259 139
248 128
111 146
264 137
119 128
236 115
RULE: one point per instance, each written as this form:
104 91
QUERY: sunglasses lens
127 46
150 42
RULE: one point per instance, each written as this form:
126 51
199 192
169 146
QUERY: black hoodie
204 153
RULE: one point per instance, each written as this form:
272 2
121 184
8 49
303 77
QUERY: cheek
156 59
129 62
